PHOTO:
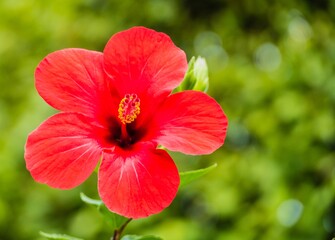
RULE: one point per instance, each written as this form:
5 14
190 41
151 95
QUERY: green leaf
58 236
190 176
90 201
135 237
115 220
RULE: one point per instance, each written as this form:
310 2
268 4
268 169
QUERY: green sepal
115 220
135 237
58 236
190 176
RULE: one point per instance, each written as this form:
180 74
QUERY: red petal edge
138 183
61 152
190 122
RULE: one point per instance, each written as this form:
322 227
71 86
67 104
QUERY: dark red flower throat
123 131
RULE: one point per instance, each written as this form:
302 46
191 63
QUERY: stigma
129 108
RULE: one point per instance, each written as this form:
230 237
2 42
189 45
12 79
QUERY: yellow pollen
129 108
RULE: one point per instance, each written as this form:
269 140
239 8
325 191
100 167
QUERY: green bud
196 77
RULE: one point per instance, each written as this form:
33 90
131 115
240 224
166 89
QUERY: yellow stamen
129 108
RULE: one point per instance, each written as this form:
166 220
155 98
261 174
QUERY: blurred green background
271 67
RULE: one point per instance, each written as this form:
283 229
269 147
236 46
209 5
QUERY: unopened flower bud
196 77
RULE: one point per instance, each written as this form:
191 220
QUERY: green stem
118 232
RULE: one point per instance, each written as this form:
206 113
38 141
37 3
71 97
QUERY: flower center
129 108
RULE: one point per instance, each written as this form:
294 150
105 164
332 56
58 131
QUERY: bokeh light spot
209 45
267 57
299 29
289 212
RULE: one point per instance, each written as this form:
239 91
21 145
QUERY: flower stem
118 232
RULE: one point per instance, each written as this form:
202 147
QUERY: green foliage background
271 67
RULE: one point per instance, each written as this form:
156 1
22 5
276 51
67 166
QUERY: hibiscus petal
190 122
72 80
144 62
62 151
139 182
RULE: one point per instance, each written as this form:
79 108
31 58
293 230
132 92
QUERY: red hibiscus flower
116 107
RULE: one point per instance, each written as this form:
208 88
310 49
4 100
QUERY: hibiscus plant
118 111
